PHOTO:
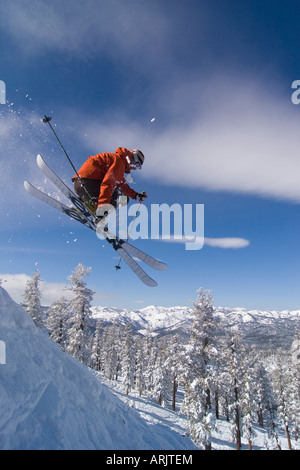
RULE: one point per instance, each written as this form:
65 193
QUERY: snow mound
48 400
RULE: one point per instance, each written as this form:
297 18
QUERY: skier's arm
126 189
114 177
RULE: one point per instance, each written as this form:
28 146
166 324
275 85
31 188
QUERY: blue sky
217 77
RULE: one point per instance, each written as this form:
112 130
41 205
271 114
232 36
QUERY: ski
113 241
59 183
56 180
71 212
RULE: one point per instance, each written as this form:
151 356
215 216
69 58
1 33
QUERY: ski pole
47 120
132 224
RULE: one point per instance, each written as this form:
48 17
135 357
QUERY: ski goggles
137 161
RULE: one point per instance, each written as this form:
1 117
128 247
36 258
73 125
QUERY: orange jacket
108 168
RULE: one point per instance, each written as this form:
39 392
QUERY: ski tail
70 211
59 183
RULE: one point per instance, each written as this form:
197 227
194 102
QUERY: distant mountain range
266 329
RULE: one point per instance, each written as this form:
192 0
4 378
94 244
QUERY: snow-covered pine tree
265 405
80 308
249 397
111 352
150 352
201 372
295 365
140 367
128 359
233 379
174 363
32 299
57 321
286 387
97 347
264 396
162 374
295 351
154 371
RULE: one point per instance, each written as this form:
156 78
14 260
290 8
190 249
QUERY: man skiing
101 179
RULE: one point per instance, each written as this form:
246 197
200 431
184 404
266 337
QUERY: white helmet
138 158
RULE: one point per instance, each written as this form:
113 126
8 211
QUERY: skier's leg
87 188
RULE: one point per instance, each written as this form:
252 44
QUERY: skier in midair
101 178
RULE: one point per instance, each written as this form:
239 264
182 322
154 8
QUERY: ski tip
150 282
162 267
39 159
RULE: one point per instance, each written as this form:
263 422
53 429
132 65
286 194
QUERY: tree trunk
227 409
160 399
260 418
237 421
288 436
174 393
217 404
238 431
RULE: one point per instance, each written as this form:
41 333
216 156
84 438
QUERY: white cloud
244 142
15 284
233 242
238 139
225 242
116 29
223 133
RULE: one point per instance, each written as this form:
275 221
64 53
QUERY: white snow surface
48 400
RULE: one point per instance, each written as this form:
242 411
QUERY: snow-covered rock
48 400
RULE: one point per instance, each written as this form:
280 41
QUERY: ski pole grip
47 118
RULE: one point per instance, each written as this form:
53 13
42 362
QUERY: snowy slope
222 437
268 329
50 401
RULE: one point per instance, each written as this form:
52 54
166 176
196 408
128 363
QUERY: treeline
222 378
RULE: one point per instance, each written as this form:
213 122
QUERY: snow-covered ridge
266 328
153 316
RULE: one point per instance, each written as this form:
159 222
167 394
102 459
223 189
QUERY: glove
140 196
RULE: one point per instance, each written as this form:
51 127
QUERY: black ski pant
90 189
